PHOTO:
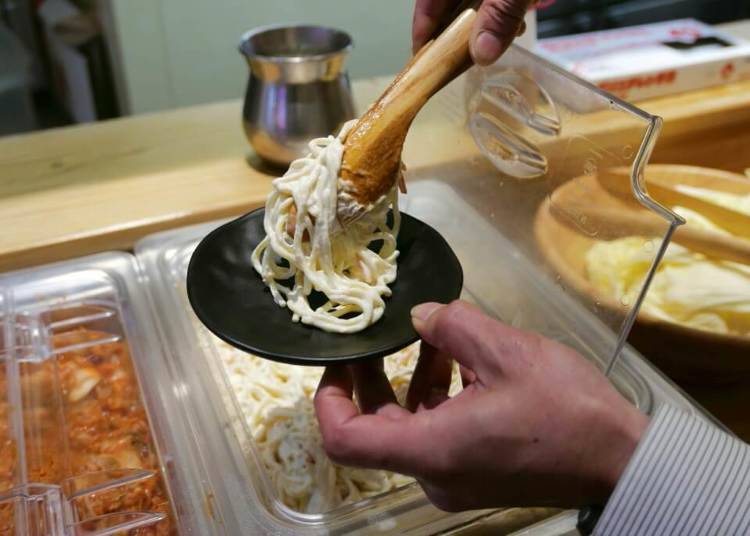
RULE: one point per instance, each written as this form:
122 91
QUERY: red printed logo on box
622 86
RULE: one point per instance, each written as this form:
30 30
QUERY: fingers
498 23
460 330
521 29
374 441
374 391
333 399
428 15
431 379
477 341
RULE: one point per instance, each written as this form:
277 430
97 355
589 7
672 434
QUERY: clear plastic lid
118 411
83 442
558 170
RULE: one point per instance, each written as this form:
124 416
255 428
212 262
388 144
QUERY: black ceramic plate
230 298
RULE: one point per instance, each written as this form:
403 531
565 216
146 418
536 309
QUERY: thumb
498 23
460 330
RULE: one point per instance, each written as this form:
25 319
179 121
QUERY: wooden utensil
665 190
685 353
616 223
372 150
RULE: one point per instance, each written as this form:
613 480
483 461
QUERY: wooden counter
78 190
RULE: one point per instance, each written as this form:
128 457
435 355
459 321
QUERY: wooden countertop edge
702 108
115 238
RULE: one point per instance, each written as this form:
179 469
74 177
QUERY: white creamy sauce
323 255
688 287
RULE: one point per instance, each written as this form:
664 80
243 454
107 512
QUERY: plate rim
313 361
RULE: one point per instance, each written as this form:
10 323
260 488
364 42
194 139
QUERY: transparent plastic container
227 441
482 198
85 445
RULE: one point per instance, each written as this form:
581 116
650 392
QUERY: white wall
172 53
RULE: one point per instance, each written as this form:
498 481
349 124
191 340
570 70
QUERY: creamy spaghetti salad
307 249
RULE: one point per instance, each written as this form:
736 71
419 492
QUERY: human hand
498 23
535 425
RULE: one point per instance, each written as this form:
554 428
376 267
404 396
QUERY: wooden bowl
686 354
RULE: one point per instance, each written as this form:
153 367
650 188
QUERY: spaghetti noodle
276 403
306 249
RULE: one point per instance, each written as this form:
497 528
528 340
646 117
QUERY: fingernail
423 311
521 29
486 49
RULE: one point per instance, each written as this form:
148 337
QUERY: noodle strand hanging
306 249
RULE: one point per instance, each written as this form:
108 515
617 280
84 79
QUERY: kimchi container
86 444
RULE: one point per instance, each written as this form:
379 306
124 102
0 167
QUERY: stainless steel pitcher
297 90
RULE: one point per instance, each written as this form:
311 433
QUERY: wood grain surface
77 190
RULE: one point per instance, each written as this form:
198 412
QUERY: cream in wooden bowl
694 322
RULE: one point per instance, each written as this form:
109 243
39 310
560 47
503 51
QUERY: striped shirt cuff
686 477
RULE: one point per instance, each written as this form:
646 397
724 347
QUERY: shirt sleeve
686 477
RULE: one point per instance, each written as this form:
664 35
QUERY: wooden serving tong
371 162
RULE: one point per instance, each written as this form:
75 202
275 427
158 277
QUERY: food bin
482 156
87 445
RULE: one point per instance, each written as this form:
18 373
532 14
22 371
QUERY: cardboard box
652 60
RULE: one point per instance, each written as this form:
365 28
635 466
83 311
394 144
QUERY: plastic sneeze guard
542 157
